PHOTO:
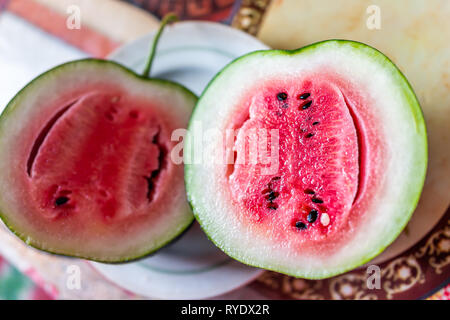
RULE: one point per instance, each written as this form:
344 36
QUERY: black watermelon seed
272 195
317 200
309 135
272 206
303 96
309 191
315 123
61 200
276 178
312 216
300 225
282 96
306 105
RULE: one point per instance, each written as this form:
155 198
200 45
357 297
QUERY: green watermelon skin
27 112
392 181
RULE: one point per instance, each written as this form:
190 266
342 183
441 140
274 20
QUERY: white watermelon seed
325 219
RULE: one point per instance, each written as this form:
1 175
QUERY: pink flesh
100 154
331 162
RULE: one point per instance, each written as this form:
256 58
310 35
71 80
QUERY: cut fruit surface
317 168
327 162
103 151
85 167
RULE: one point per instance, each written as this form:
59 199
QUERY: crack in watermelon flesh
320 163
100 153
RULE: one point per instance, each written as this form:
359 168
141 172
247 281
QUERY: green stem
170 17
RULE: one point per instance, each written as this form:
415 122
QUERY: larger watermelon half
345 159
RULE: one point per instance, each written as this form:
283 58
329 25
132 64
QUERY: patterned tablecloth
28 25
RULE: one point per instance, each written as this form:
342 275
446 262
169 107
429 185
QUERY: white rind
402 179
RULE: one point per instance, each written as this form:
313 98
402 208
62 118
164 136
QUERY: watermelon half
85 167
325 164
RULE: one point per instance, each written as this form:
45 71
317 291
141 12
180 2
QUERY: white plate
190 53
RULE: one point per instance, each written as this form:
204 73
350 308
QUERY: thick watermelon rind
415 186
181 229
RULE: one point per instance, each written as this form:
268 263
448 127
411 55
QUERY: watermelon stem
168 18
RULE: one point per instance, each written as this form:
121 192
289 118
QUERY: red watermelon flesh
101 153
318 160
321 187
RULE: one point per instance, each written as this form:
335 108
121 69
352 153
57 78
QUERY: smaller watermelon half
85 167
345 169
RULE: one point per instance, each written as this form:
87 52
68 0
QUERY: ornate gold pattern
437 248
292 287
400 275
302 289
397 276
250 14
350 287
